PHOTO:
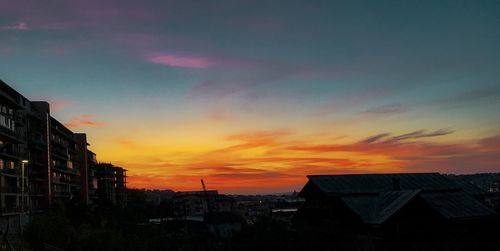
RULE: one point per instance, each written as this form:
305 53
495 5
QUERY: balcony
58 180
11 135
10 189
66 170
36 191
36 175
10 209
19 119
10 153
38 144
11 171
62 194
59 142
60 154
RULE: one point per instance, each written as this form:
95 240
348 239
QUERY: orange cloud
279 160
84 120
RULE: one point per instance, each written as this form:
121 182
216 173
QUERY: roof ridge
361 174
382 215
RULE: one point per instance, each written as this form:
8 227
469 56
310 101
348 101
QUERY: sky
252 96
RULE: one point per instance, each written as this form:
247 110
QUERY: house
390 209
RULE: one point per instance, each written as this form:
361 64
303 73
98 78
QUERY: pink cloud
83 120
59 104
182 61
268 24
56 104
6 49
20 26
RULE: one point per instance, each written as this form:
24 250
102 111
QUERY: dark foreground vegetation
107 227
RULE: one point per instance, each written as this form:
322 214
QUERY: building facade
43 163
109 184
13 155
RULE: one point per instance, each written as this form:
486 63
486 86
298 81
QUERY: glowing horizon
252 97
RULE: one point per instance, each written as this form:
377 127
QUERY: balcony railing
10 189
11 171
14 135
34 141
10 209
11 151
19 118
35 191
62 193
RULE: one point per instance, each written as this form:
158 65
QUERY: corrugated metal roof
456 205
390 202
374 199
469 187
376 209
364 206
375 183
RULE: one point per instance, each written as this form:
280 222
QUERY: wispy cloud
386 109
470 96
182 61
420 134
20 26
84 120
375 138
250 73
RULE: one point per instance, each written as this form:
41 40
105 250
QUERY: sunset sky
252 96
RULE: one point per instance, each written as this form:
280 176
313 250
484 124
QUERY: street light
23 162
22 184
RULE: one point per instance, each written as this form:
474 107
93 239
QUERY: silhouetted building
193 203
13 151
56 161
402 209
197 203
111 183
92 182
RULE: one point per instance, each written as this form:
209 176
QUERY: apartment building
43 163
111 183
13 155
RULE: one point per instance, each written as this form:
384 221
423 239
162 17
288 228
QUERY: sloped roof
470 187
372 196
376 183
376 209
456 205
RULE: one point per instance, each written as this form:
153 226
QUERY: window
9 164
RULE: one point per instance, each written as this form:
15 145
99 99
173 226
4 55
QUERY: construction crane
207 198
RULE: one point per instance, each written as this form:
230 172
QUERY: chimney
396 184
